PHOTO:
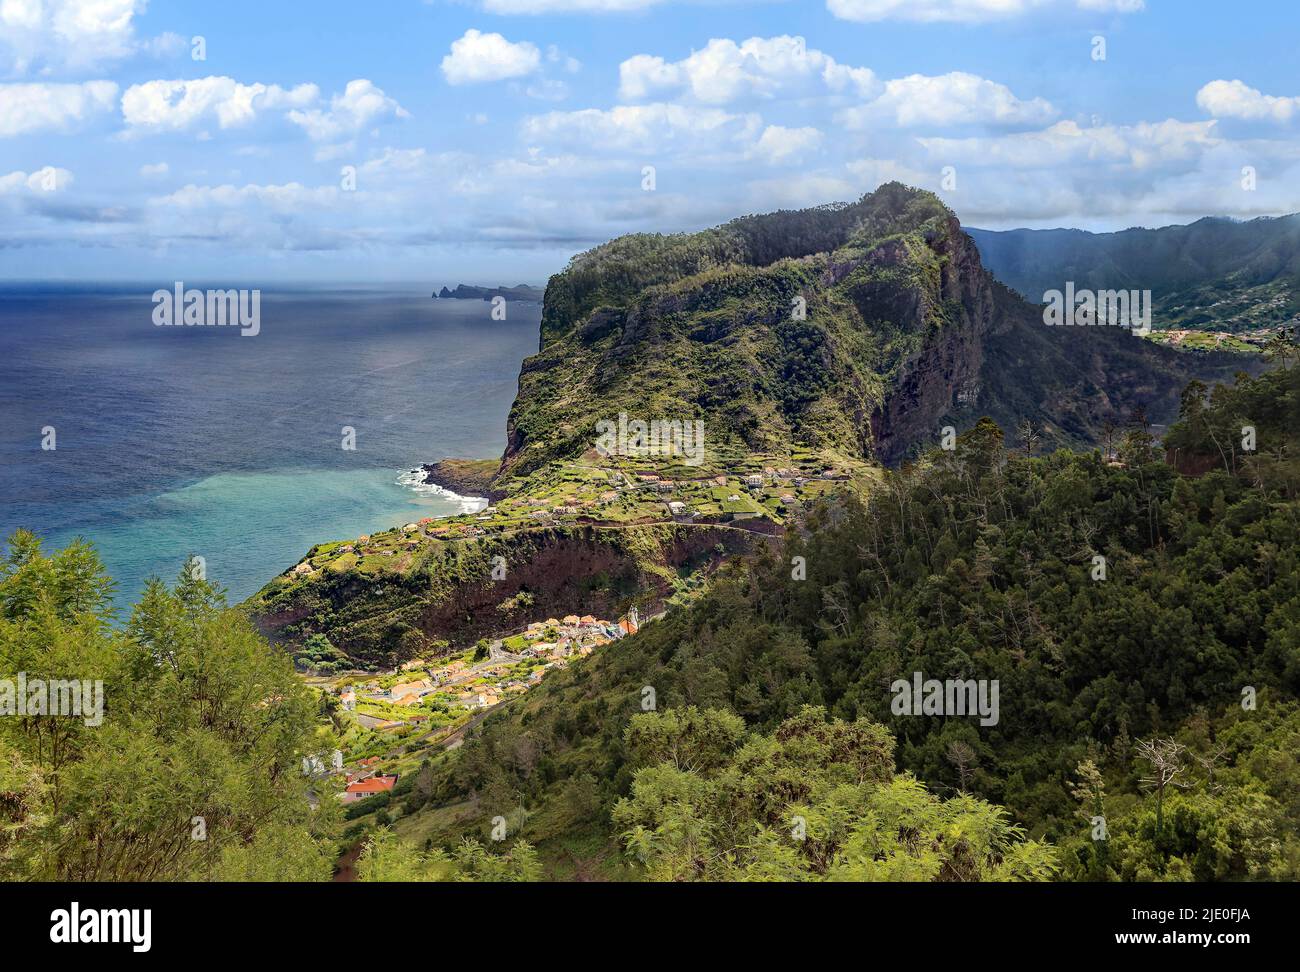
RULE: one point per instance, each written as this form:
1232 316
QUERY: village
428 703
387 722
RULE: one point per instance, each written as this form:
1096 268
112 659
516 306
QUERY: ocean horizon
178 441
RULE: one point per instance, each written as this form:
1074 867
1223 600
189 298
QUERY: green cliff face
861 328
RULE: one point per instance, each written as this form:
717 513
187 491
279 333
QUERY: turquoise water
179 441
245 525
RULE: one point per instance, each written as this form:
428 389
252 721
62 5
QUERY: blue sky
488 141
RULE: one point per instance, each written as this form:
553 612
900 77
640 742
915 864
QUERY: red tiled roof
376 784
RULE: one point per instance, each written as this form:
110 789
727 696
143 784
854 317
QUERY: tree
1282 347
386 858
817 799
197 754
963 757
1090 790
1029 435
1166 759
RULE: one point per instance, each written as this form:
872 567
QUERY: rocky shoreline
464 477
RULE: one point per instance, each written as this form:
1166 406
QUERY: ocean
171 441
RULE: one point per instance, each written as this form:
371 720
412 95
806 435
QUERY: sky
488 141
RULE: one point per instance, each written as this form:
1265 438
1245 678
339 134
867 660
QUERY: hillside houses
478 699
448 693
368 787
417 688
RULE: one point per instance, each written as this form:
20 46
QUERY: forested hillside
1215 274
982 563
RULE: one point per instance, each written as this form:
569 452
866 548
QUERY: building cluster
367 780
570 636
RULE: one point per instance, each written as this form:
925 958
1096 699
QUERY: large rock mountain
904 331
825 336
1215 273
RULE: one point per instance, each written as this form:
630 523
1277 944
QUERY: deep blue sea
179 440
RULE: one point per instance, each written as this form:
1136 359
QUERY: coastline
464 479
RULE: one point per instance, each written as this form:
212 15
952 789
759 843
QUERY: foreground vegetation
194 771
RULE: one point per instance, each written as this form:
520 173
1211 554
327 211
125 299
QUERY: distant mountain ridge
1213 274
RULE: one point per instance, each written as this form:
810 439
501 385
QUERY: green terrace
608 492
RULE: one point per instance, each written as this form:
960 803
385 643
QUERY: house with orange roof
419 685
368 788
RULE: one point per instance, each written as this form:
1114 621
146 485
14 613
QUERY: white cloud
155 170
66 34
797 192
26 108
1113 6
478 57
556 56
871 173
396 161
1140 145
547 89
965 11
1235 99
949 99
779 144
288 197
650 128
361 104
183 105
49 179
761 67
166 44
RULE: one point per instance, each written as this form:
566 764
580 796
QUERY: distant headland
523 292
